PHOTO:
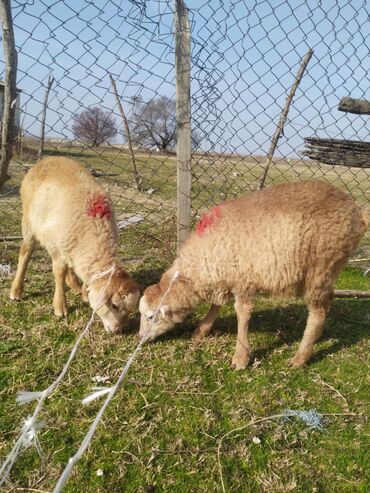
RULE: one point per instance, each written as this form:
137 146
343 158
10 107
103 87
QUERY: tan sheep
67 212
290 239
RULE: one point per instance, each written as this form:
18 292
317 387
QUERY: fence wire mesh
244 59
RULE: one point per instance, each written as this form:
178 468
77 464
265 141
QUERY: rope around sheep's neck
100 275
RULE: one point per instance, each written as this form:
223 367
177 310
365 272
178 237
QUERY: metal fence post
183 113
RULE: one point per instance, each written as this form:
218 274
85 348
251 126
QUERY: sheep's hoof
197 336
298 361
61 312
240 362
15 294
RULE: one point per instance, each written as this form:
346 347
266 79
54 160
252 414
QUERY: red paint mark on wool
99 207
208 220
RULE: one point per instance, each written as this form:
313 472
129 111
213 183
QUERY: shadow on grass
346 324
82 153
285 323
147 277
86 153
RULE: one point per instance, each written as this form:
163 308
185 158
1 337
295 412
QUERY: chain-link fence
245 56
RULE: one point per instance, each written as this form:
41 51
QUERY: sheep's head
114 300
157 318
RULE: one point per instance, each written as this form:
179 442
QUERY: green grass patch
162 431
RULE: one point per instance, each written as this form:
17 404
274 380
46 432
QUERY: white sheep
67 212
290 239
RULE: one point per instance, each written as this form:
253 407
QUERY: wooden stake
183 115
43 116
280 126
10 90
128 133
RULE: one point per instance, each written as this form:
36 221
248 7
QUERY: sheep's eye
150 317
114 306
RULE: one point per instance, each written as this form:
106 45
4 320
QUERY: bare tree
94 126
43 117
128 133
154 123
10 90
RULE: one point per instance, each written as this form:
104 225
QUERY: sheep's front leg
243 308
59 271
73 281
204 328
25 253
85 293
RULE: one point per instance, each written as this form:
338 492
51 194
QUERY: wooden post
43 116
351 293
21 132
183 115
280 126
128 132
10 90
356 106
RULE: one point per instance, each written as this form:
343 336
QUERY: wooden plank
183 115
356 106
341 143
338 152
350 293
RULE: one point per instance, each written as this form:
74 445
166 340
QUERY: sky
245 55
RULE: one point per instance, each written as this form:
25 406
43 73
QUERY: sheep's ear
132 299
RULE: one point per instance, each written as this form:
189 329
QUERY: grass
163 430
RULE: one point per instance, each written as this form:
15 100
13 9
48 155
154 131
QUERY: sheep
67 212
287 240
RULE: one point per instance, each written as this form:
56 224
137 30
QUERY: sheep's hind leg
317 313
25 253
59 271
204 328
243 308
